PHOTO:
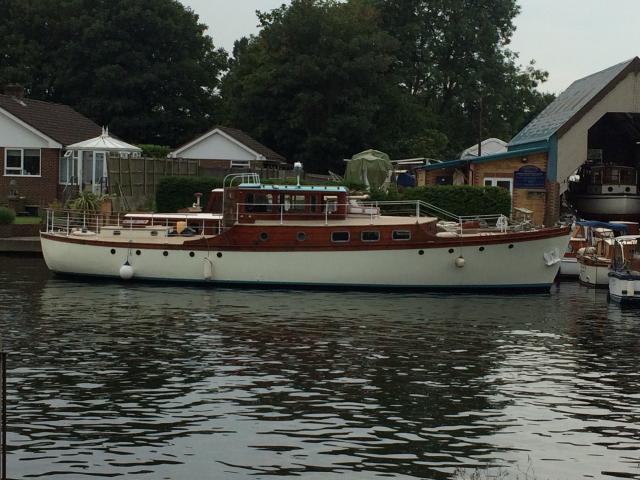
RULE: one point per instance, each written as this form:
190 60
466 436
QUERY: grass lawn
27 220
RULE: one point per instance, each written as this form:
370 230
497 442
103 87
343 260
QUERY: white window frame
21 174
240 164
494 182
72 167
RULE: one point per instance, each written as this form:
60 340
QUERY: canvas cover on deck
370 167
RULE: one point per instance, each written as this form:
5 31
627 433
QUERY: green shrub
86 201
154 151
174 193
7 216
458 199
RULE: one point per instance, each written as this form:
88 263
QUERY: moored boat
594 260
624 276
292 235
606 192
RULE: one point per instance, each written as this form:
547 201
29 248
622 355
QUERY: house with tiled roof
33 139
224 149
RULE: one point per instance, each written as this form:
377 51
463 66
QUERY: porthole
420 252
154 233
451 250
511 245
113 251
191 254
628 189
264 236
609 189
165 253
138 252
219 254
301 236
481 249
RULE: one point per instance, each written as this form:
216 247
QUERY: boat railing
284 212
67 222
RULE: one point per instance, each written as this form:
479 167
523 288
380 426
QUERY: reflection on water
152 381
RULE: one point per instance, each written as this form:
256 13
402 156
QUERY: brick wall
37 190
535 200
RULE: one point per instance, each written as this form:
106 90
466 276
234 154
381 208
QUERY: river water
158 381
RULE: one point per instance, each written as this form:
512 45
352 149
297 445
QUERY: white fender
208 269
460 261
126 271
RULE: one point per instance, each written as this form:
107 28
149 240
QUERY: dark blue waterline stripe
541 287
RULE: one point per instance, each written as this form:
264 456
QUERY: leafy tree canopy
455 59
318 83
143 67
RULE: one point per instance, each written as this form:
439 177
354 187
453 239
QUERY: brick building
600 112
33 137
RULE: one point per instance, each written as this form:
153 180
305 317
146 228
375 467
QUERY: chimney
14 90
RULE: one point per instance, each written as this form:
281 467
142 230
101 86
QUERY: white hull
625 289
606 205
569 267
497 266
594 276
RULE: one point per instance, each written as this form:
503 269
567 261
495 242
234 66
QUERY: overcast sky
568 38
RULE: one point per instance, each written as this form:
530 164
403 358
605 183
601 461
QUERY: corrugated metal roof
568 104
485 158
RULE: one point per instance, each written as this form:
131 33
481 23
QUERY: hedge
174 193
7 216
154 151
458 199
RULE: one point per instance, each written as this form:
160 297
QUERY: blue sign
529 176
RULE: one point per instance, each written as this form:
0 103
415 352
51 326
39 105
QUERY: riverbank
20 245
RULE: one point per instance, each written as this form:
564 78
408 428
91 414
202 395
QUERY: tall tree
318 83
143 67
455 59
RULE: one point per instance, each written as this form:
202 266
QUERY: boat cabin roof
294 188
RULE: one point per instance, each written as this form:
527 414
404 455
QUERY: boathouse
224 150
598 115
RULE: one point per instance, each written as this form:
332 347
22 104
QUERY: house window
22 161
68 171
506 183
240 164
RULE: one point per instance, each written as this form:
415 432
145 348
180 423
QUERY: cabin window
314 203
331 202
294 203
370 236
22 161
116 232
301 236
401 235
154 233
339 236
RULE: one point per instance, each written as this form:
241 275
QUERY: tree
143 67
317 82
455 60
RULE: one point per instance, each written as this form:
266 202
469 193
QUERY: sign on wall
529 176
